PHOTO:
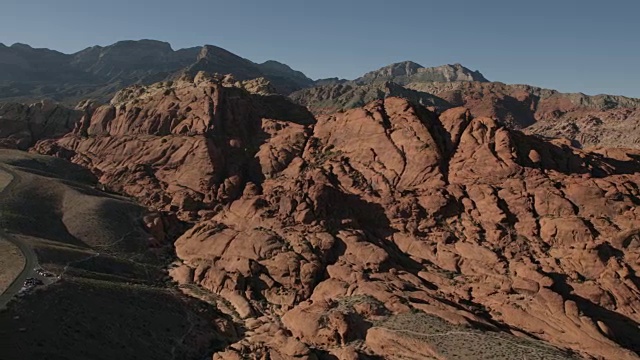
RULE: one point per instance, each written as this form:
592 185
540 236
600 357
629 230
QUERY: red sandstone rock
314 232
22 125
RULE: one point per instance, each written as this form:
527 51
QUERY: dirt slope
106 254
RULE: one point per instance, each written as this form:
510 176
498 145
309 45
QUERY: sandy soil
11 263
5 179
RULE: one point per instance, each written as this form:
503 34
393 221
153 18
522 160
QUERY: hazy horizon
570 46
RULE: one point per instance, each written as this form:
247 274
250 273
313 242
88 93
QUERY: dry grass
90 319
459 342
11 264
71 214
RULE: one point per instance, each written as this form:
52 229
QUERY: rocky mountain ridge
589 121
98 72
409 72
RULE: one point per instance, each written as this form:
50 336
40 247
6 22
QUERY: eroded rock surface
188 144
22 125
319 236
589 121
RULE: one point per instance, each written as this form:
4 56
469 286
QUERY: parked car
42 272
31 282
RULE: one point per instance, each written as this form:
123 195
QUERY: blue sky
569 45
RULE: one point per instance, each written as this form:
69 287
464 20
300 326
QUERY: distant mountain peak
21 46
407 64
454 72
408 71
97 72
276 63
218 55
404 68
143 43
278 69
276 66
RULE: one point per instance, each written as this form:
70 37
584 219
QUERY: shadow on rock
624 330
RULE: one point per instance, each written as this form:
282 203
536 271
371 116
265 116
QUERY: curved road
31 260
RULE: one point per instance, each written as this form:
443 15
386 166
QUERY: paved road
31 260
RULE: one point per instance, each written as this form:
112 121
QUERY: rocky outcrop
593 128
22 125
520 106
342 96
213 59
327 237
187 144
588 121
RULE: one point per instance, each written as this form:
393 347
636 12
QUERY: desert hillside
99 259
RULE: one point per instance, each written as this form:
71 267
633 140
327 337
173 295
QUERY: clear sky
569 45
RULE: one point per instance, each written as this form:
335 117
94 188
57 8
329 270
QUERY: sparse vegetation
460 342
111 287
126 312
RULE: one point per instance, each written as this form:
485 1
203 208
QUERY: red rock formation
317 235
22 125
186 145
589 121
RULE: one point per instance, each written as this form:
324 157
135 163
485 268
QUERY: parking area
42 278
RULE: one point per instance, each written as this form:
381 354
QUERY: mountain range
97 73
194 204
